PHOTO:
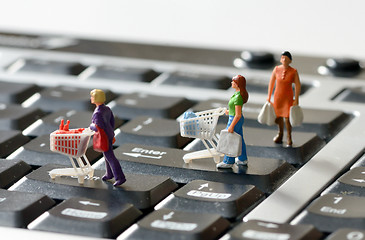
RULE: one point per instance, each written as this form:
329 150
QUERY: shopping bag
267 114
100 140
230 144
296 116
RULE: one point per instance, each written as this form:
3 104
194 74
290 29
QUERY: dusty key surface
143 191
88 217
264 173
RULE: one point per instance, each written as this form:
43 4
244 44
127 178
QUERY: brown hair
241 82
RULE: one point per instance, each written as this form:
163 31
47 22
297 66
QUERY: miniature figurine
282 78
236 119
103 118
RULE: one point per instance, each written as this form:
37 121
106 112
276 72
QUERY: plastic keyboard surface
312 190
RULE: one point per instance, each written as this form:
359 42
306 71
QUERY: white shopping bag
296 116
230 144
267 114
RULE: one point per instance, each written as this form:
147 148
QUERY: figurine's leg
288 129
238 129
115 166
279 137
108 174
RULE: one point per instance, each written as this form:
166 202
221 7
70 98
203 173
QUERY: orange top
283 94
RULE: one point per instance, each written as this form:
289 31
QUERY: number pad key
333 211
265 230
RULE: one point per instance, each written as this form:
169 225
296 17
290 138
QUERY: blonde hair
99 95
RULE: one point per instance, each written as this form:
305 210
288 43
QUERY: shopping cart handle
221 110
89 131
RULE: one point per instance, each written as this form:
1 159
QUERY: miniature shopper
103 118
236 119
283 77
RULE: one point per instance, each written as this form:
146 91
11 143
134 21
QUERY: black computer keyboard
312 190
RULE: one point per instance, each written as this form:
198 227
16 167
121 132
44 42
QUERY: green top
236 99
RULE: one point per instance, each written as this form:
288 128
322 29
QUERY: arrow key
228 200
88 217
265 230
163 224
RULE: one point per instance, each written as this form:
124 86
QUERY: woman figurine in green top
236 119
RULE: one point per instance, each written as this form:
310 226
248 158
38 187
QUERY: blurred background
329 27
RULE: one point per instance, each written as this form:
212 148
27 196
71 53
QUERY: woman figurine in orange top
282 78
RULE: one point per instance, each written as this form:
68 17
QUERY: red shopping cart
73 145
202 125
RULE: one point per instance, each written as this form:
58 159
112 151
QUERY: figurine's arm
236 118
297 87
271 85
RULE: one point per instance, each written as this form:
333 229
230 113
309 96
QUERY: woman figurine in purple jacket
104 119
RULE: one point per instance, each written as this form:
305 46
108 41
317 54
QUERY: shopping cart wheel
81 179
91 174
217 159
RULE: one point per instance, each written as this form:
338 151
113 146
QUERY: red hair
241 82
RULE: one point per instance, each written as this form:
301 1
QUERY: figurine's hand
268 99
230 129
295 103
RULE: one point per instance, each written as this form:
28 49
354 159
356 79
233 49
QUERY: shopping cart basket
202 125
74 146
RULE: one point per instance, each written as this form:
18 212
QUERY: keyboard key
133 105
265 230
227 200
18 209
343 67
170 224
37 152
65 97
258 59
331 211
10 141
351 183
195 80
88 217
260 85
348 234
259 143
151 131
11 92
354 94
266 174
326 123
51 122
15 117
143 191
11 171
46 66
121 73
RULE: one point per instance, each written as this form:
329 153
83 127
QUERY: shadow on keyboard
311 190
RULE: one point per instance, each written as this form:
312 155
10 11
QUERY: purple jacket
104 118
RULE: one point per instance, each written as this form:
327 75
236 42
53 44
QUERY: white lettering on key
355 236
2 199
148 121
326 209
146 151
174 225
210 195
252 234
83 213
136 129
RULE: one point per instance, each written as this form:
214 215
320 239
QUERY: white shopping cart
73 145
202 125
